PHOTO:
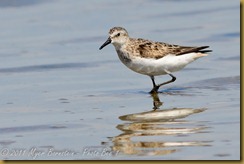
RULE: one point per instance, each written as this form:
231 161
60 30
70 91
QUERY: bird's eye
118 34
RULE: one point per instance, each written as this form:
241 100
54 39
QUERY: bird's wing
157 50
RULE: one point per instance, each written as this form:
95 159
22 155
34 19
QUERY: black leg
170 81
156 87
154 84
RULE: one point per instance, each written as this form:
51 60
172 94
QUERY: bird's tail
200 52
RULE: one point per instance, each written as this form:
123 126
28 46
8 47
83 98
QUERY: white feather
165 65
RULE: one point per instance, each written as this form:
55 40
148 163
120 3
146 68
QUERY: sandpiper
152 58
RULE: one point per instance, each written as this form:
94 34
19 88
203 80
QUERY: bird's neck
123 56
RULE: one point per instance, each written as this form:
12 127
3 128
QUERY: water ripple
17 3
43 67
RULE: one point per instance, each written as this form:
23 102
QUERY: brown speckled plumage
112 30
157 50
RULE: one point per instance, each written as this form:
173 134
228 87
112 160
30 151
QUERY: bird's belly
156 67
147 67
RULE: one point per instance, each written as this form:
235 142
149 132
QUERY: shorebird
152 58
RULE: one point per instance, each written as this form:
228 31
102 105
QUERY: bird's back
156 50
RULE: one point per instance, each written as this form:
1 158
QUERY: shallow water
62 98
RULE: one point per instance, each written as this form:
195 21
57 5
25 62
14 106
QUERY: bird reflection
157 132
156 101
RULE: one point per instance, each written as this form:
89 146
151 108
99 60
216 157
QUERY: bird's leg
156 87
170 81
154 84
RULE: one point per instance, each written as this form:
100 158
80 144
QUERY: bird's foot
154 90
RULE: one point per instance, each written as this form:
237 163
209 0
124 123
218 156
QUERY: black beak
108 41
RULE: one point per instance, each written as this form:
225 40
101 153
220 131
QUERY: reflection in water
148 138
161 115
148 133
156 101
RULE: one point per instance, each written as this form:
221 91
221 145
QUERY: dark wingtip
204 51
195 49
203 47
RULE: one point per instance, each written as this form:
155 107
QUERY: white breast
155 67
